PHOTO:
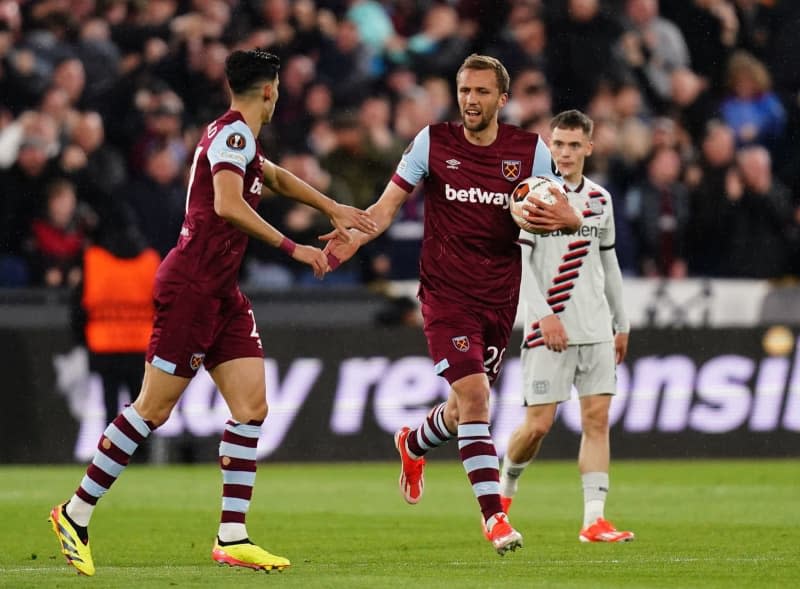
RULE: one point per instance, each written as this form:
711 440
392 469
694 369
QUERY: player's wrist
287 246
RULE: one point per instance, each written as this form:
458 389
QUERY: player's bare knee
469 406
595 426
594 421
252 410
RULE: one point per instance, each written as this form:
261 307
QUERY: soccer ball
535 188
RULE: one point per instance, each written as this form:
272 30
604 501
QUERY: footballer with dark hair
203 319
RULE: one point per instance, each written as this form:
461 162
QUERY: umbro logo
452 164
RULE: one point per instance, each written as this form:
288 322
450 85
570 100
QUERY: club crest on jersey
511 169
461 343
595 206
196 361
235 141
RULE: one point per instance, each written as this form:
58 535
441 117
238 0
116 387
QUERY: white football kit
576 276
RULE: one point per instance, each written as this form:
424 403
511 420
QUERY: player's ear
590 148
503 99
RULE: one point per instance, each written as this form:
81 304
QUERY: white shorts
547 377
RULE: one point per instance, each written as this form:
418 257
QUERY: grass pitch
702 524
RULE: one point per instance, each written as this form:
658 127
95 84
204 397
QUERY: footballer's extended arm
231 206
382 213
342 217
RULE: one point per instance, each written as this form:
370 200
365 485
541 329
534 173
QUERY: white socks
231 532
509 476
595 489
79 511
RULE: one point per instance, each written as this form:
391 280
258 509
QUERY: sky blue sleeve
413 166
234 145
543 164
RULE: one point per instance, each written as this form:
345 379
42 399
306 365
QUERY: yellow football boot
74 550
249 556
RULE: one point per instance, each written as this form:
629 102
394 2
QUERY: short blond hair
743 63
486 62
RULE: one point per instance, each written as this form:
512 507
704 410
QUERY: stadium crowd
696 105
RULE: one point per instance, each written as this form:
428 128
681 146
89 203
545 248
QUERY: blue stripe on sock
120 440
136 421
237 451
235 504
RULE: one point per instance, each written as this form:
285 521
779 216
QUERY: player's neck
483 137
251 113
574 180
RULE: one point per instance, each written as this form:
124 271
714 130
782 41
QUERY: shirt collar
576 189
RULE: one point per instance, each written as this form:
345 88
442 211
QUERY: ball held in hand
535 189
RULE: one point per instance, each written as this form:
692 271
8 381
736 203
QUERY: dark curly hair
247 69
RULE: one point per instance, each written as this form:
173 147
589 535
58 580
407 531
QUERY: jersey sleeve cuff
227 166
402 182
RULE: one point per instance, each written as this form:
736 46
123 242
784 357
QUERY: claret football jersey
210 250
469 250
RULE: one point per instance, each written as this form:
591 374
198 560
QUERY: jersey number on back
192 170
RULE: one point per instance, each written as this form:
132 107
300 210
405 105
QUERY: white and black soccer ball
535 188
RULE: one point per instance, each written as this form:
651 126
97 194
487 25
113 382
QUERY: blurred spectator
58 237
359 163
158 198
265 265
530 102
441 99
438 49
763 226
401 80
162 110
375 117
69 75
692 102
307 31
652 47
114 315
206 94
659 211
751 108
344 64
91 90
756 25
522 43
413 111
581 55
711 30
709 230
100 57
375 29
23 185
290 119
100 171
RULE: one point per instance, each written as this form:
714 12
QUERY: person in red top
59 237
202 318
469 271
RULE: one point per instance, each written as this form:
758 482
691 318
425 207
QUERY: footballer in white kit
576 330
564 274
